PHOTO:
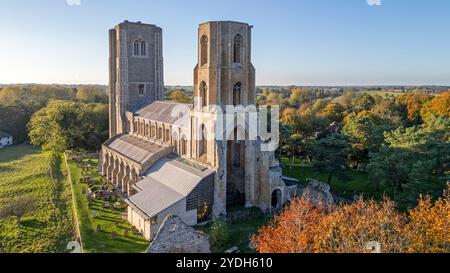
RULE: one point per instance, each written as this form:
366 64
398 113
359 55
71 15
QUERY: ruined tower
225 76
135 71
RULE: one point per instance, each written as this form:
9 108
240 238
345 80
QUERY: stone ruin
318 192
175 236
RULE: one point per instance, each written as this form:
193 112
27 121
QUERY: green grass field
25 170
110 221
238 234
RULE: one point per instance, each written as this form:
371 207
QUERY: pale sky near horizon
295 42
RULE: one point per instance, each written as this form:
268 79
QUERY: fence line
77 222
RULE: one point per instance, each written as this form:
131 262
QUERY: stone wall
175 236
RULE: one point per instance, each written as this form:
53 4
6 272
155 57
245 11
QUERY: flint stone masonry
175 236
318 192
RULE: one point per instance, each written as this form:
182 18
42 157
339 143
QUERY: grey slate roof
4 134
166 183
133 147
162 111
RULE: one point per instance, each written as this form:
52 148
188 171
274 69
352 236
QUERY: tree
289 117
303 227
411 155
179 96
428 228
292 231
69 125
439 106
333 112
330 155
365 130
18 207
413 103
292 147
92 94
363 102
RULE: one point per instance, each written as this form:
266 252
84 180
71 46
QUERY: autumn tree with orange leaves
307 228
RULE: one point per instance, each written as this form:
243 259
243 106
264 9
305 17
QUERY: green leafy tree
67 125
365 130
330 156
92 94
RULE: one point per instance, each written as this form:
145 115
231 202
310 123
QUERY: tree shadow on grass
17 152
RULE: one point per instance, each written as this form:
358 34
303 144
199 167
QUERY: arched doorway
276 199
235 172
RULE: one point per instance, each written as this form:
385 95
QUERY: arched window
143 48
237 49
183 146
167 135
237 94
202 143
203 95
203 50
136 48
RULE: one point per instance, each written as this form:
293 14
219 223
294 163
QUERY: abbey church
167 158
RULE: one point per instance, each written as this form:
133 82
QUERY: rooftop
166 183
166 112
133 147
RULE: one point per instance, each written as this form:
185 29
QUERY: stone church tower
135 69
225 76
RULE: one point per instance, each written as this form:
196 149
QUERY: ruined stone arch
277 198
235 165
183 145
167 135
175 141
202 141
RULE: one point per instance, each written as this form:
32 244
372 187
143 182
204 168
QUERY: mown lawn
356 183
25 170
238 234
110 221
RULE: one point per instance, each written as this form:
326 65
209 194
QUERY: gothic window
203 95
167 135
204 50
136 48
183 146
143 48
237 94
237 49
141 89
202 144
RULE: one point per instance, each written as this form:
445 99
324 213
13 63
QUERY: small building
5 139
171 187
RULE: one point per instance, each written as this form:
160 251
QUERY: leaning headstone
94 214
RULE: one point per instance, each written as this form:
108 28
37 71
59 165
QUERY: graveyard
102 216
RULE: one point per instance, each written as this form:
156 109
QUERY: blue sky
302 42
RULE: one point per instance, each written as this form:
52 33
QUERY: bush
18 207
218 235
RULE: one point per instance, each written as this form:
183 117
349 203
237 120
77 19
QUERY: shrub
18 207
218 235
